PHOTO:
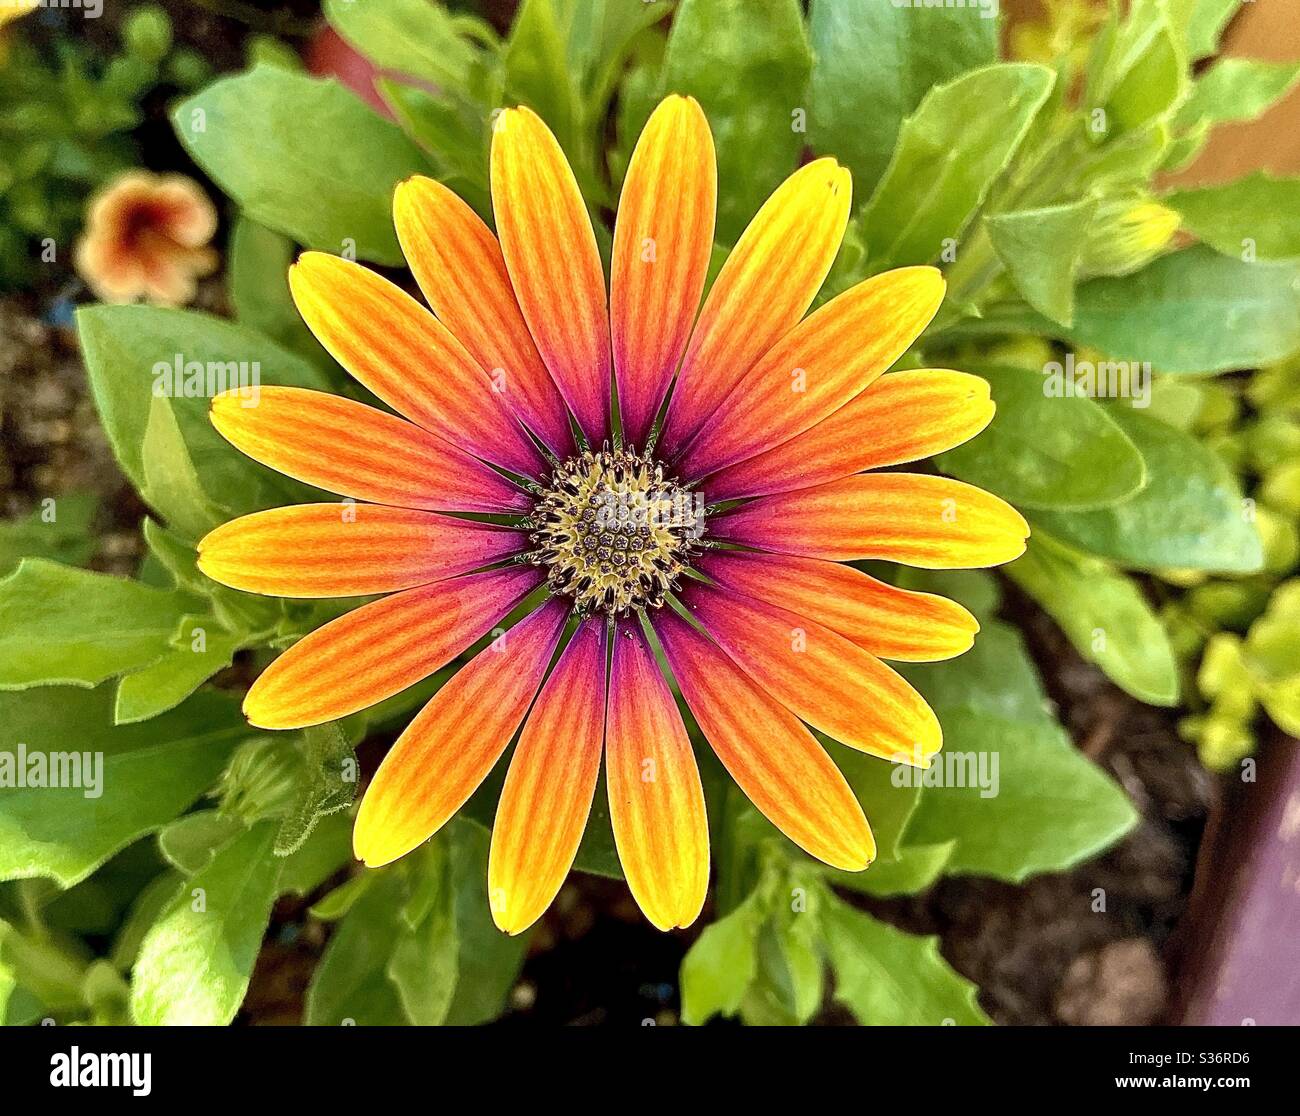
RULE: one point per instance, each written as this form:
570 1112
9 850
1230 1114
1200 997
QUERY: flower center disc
613 532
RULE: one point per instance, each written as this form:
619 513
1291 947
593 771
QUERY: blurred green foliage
66 128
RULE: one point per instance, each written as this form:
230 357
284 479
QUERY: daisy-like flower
146 237
714 520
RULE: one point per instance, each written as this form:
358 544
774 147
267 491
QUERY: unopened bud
1126 234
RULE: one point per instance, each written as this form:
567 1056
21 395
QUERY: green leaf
1138 72
1017 797
327 849
792 972
1193 311
327 785
424 964
873 65
1043 451
59 832
537 74
133 352
887 806
416 38
1254 217
996 675
888 978
60 625
947 158
258 279
454 133
1236 89
1123 161
1040 248
58 530
349 984
489 960
196 961
747 62
915 869
1201 22
722 963
171 483
335 904
189 843
165 684
44 975
396 957
1105 616
302 156
603 35
1189 516
148 905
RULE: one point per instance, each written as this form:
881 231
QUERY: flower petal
381 648
554 264
932 522
656 802
769 280
663 240
820 676
904 416
354 450
891 623
458 264
829 358
408 358
774 759
548 792
346 550
447 751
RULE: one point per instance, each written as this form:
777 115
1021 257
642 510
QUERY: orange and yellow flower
147 237
660 489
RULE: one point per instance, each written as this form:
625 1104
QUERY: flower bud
1126 234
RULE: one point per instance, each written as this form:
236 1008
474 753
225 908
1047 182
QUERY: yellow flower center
613 532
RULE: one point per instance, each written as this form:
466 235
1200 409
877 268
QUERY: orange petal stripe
769 280
345 550
656 802
663 240
359 451
379 649
458 264
826 360
932 522
891 623
448 750
904 416
774 759
548 792
407 357
820 676
554 264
